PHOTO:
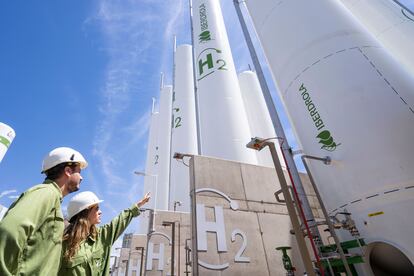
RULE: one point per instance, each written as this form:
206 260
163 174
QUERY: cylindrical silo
390 23
348 99
7 135
151 169
184 127
164 140
258 115
223 125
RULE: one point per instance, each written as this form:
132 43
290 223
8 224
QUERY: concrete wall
163 235
263 221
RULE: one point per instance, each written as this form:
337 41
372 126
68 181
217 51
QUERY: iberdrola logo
327 141
204 36
325 137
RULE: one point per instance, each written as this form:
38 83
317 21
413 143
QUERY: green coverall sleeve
110 232
22 219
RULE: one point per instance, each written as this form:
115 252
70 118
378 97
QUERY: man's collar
54 184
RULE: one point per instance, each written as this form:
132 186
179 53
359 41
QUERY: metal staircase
332 262
336 258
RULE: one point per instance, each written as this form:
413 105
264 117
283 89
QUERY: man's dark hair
55 172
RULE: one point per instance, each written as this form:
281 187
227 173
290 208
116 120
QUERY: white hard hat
63 155
80 202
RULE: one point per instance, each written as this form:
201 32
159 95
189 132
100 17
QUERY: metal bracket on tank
278 199
348 223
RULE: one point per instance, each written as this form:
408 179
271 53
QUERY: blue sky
82 74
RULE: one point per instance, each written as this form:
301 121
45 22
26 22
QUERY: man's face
75 179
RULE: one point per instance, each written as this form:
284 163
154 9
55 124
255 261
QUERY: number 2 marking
239 258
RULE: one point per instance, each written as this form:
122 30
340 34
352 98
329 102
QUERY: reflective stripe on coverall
93 256
31 232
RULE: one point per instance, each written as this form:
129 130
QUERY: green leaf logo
204 36
327 141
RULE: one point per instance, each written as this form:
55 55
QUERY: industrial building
336 74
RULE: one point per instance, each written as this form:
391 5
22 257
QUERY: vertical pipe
142 261
301 214
172 122
190 3
326 215
161 80
187 257
292 212
153 106
127 262
193 195
173 249
179 248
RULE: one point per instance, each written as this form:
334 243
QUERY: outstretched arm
111 231
144 200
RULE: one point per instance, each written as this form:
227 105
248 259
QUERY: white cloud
135 35
139 127
7 192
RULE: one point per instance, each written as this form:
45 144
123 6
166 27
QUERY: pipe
292 212
302 214
197 108
326 161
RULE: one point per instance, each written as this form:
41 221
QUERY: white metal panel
223 124
349 99
7 135
258 115
164 146
184 128
391 24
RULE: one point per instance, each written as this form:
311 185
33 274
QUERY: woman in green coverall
87 248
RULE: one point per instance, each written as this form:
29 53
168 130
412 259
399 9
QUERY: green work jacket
31 232
93 255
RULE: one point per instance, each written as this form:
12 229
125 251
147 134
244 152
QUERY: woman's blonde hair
77 231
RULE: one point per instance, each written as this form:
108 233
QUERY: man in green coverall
31 231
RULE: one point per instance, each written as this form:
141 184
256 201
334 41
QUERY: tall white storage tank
223 124
348 99
164 146
258 115
151 169
7 135
184 128
390 23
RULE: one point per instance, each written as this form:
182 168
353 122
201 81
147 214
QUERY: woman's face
94 216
